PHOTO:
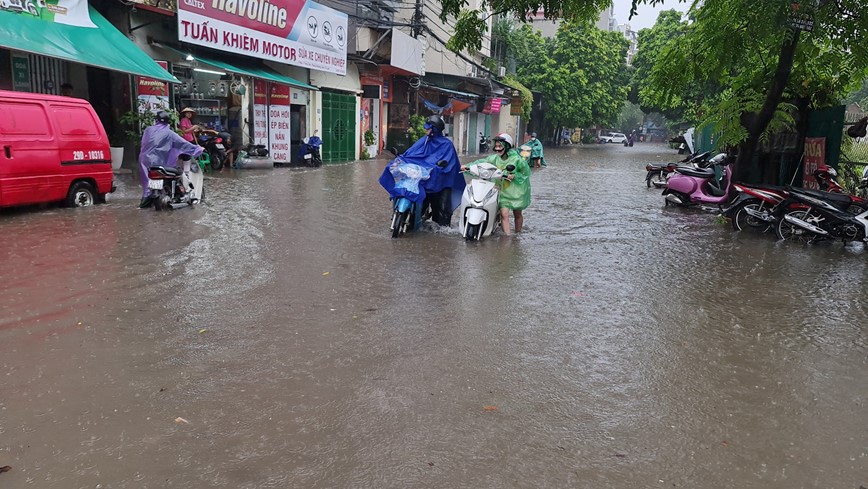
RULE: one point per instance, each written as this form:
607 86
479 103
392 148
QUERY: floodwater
277 336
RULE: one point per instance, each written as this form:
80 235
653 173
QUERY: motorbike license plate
308 156
219 146
155 184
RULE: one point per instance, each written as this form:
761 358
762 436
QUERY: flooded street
277 336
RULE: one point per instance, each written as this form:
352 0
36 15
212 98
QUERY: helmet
828 170
162 117
505 138
435 121
533 134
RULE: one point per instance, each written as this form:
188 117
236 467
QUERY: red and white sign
278 123
260 112
492 106
296 32
815 155
153 95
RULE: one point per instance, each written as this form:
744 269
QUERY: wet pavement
277 336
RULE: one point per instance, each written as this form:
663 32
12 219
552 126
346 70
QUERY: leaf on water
202 330
180 420
490 408
5 468
325 273
725 444
431 464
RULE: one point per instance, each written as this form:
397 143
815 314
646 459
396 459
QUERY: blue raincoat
426 152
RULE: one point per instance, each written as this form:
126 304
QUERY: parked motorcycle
689 186
658 173
215 144
172 188
478 212
483 143
310 151
822 219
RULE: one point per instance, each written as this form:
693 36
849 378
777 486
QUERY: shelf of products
205 107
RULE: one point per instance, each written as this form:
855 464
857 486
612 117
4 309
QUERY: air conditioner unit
501 71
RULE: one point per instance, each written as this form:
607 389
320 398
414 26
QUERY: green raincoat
536 150
514 195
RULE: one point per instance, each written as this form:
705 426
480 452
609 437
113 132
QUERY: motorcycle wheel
658 180
159 205
792 232
856 209
742 221
399 223
472 232
218 157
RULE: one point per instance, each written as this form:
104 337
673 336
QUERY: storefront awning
102 46
262 72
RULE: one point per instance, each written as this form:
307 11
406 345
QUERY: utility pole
417 19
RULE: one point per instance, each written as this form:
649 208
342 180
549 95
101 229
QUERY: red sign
149 86
815 155
492 106
278 122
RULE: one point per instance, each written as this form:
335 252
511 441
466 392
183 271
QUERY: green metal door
339 127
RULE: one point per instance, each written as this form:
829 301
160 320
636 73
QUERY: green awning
104 46
262 72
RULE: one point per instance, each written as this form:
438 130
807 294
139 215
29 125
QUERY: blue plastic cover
426 152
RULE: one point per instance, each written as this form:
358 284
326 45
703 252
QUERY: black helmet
435 121
163 117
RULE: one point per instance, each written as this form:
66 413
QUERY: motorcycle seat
696 172
827 196
168 170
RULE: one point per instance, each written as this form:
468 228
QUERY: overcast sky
646 15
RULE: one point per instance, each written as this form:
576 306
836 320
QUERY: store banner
278 123
296 32
69 12
153 95
815 155
492 106
21 72
516 106
260 112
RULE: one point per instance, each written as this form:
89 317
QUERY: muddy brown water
276 336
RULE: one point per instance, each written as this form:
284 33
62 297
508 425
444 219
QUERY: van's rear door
28 151
84 147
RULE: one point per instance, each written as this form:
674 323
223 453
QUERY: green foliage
581 73
369 138
526 95
365 155
417 127
630 118
136 121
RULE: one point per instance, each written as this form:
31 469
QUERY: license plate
155 184
308 156
219 146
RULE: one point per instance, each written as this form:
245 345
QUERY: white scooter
478 213
172 188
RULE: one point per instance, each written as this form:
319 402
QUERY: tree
630 118
580 73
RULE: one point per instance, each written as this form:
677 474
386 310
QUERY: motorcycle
172 188
483 143
755 207
478 212
657 174
823 218
407 212
215 144
710 185
310 152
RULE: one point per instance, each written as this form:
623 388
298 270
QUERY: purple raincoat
161 146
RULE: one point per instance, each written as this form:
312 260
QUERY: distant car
613 137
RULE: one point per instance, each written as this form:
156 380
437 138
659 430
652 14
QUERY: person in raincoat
536 151
161 146
443 188
515 187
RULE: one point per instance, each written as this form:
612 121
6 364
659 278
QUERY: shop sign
492 106
516 106
278 122
296 32
69 12
21 73
387 90
153 95
815 155
260 112
298 96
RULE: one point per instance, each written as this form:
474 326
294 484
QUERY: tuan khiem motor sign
301 33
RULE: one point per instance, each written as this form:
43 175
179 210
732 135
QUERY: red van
52 149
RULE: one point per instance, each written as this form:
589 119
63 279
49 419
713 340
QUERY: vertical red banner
278 123
260 112
815 155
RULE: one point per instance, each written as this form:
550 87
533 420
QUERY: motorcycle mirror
442 163
510 167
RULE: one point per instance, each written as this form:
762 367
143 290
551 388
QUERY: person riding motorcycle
161 146
536 152
442 189
514 188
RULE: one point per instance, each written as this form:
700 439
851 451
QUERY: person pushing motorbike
515 188
161 146
445 184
